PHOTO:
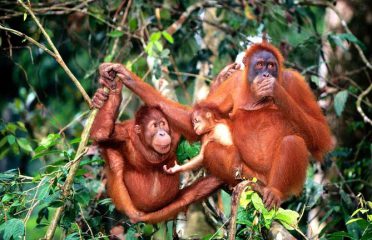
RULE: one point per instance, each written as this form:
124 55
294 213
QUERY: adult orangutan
276 121
135 152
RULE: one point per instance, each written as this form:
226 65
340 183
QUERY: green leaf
24 144
147 229
355 212
315 80
186 150
24 16
339 235
39 155
155 36
287 217
351 38
338 39
75 140
353 220
226 203
115 34
168 37
13 228
158 46
6 198
82 197
133 24
50 140
11 139
340 101
3 141
8 175
43 191
108 58
22 126
73 236
335 40
246 198
258 203
131 234
149 49
11 127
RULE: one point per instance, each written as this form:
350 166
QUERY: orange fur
273 139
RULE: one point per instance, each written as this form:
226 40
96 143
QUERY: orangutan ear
208 115
245 61
137 128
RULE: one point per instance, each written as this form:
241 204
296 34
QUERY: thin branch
120 28
85 135
86 222
57 54
78 118
71 174
173 61
343 23
178 24
30 39
191 75
359 49
359 107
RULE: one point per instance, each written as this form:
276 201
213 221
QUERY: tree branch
85 134
30 39
178 24
359 49
57 54
359 107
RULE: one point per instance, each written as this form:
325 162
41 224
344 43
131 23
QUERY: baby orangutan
217 146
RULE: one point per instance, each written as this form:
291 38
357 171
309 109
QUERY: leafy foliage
253 216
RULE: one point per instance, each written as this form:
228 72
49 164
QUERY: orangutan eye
259 64
270 65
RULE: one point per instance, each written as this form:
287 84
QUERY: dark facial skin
263 64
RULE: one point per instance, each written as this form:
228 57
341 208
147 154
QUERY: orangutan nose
161 133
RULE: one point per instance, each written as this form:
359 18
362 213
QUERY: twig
178 24
30 39
85 135
120 28
359 107
359 49
82 216
73 121
57 54
191 75
71 174
219 229
187 95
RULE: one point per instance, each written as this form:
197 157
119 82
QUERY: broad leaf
167 36
13 228
115 34
340 101
288 218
